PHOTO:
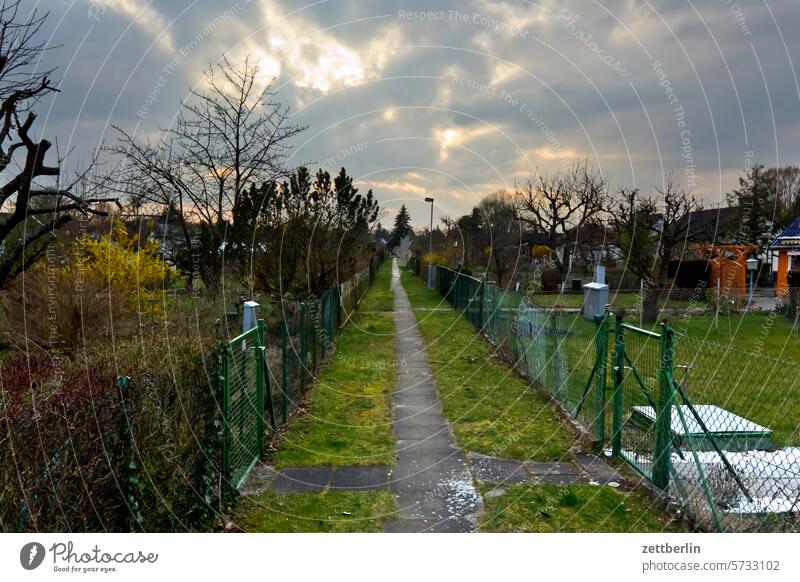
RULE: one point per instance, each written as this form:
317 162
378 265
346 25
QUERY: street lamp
752 265
430 248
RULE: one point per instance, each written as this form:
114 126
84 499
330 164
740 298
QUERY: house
591 245
405 248
166 229
716 226
787 246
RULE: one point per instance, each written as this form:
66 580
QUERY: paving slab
419 429
411 398
302 479
554 468
366 478
419 413
259 480
493 470
598 469
450 525
563 480
441 448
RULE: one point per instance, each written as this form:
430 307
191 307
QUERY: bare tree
785 181
37 211
651 233
553 204
232 134
500 226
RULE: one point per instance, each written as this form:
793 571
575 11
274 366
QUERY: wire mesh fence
267 370
706 407
242 403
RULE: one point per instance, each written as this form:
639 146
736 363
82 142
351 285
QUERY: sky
454 100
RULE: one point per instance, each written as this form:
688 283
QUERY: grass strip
492 409
326 512
572 508
348 420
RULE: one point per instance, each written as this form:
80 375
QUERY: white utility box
250 316
595 299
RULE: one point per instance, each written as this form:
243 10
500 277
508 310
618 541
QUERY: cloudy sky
456 99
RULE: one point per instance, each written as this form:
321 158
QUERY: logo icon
31 555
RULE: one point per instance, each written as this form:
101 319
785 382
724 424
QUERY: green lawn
750 384
749 368
348 420
339 512
492 410
747 363
771 335
618 300
774 335
575 508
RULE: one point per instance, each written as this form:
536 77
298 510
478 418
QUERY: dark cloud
457 98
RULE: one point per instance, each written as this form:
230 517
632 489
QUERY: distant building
719 226
405 247
787 247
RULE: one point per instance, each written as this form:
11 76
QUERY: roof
789 237
717 225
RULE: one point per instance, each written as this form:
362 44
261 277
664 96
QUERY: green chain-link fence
266 371
715 425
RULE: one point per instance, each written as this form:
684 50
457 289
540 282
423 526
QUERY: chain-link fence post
482 298
131 483
314 323
225 385
284 366
663 437
601 355
303 353
260 357
619 379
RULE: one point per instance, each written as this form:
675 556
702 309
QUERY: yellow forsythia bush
79 294
137 276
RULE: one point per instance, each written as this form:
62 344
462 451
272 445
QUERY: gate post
284 365
619 378
260 366
663 437
601 355
482 298
225 384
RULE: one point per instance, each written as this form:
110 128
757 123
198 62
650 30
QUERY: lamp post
430 248
752 265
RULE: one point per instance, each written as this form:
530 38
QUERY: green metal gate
642 396
243 380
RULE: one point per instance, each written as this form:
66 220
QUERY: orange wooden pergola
727 262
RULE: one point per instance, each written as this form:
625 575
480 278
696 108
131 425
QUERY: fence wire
706 407
267 370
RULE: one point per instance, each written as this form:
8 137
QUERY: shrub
89 290
80 453
60 450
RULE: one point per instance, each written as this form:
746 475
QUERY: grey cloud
588 86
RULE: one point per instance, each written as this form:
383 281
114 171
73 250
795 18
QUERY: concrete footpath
431 479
